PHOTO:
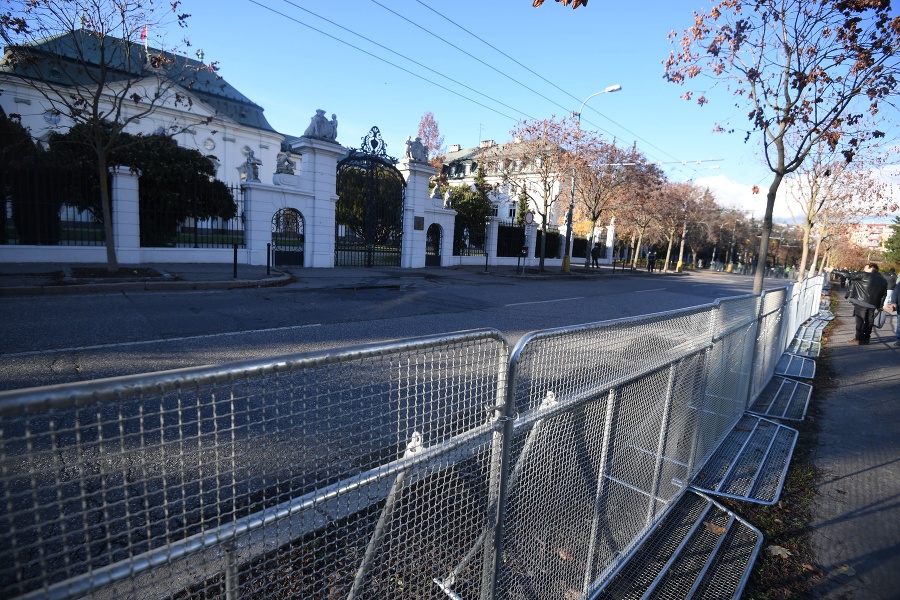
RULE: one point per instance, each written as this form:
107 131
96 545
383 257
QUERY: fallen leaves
781 551
713 528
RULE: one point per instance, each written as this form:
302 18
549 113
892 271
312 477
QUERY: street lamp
577 115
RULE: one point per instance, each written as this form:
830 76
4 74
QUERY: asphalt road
52 340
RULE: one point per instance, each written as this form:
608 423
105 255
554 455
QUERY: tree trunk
640 241
764 238
814 264
112 264
804 256
590 245
671 237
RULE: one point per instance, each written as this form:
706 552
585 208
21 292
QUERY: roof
126 61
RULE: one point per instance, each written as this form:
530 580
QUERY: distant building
461 166
872 236
214 117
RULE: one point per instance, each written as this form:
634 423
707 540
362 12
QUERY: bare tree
430 134
535 164
807 71
826 183
574 3
90 62
602 171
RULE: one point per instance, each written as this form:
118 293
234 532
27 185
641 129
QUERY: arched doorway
369 211
433 238
287 237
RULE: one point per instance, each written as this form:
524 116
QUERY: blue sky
292 57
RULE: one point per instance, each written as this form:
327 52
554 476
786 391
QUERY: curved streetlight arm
577 115
610 89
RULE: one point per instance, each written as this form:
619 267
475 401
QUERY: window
512 211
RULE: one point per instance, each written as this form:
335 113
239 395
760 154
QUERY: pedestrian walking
867 293
595 256
891 278
651 261
893 304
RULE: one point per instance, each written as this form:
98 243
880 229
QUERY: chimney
454 148
487 144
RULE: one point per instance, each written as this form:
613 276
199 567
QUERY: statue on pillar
416 150
284 164
249 170
321 128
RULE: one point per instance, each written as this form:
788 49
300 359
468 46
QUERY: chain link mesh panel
381 471
360 473
602 443
768 348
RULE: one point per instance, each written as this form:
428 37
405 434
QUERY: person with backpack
867 294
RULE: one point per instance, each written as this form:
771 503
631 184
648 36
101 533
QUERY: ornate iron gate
433 245
287 237
369 212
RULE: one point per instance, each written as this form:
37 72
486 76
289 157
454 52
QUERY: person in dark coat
651 261
867 293
891 278
595 256
894 304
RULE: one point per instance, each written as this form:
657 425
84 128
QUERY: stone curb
142 286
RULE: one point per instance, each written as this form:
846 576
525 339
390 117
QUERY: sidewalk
27 279
856 525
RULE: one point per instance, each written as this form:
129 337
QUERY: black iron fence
468 239
510 239
553 244
579 247
187 224
43 206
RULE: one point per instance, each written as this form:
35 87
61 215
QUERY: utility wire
470 55
427 68
295 20
449 20
455 93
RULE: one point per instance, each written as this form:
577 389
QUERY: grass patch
786 567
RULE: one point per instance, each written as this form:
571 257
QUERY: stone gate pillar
419 212
318 177
126 214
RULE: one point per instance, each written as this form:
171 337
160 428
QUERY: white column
126 214
318 176
610 241
417 202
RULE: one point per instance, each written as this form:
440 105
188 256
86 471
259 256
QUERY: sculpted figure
249 171
321 128
285 164
416 150
448 199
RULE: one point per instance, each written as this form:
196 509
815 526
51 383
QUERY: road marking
545 301
653 290
162 341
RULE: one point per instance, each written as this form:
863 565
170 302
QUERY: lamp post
577 115
680 264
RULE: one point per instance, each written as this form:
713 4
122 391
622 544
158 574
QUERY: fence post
235 261
664 424
501 453
754 355
603 465
232 583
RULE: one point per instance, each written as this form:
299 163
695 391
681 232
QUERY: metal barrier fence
445 466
